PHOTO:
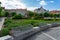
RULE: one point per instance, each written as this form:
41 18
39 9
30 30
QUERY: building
40 10
55 11
18 11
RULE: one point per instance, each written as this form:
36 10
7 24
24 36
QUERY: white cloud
51 1
43 3
32 8
13 4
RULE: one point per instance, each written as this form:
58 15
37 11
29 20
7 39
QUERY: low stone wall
22 35
8 37
17 34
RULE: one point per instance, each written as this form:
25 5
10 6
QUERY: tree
0 9
55 15
18 16
31 14
46 14
51 15
41 15
58 15
35 14
13 13
6 14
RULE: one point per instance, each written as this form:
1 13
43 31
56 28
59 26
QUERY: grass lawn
10 23
15 23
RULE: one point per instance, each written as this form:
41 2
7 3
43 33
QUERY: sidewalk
1 22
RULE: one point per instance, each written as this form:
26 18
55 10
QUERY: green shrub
8 21
13 14
34 23
18 16
4 32
37 17
6 14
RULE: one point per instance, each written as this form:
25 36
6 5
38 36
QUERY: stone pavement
1 22
50 34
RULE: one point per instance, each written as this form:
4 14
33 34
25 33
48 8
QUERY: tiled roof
41 8
55 11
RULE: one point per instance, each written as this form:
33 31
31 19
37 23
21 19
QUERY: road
1 22
50 34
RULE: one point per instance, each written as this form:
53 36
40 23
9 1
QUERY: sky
31 4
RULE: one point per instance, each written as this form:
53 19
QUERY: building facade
18 11
55 11
40 10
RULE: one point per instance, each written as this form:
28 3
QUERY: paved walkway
50 34
8 37
1 22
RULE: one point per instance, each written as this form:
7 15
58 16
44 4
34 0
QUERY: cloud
43 3
32 8
13 4
51 1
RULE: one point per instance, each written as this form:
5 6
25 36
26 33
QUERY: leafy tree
6 14
18 16
0 9
55 15
31 14
58 15
41 15
51 15
46 14
13 13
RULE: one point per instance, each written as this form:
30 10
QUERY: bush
13 14
18 16
8 21
36 17
6 14
34 23
4 32
31 14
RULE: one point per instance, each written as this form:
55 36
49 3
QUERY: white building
18 11
40 10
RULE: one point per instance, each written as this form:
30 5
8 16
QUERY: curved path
50 34
1 22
